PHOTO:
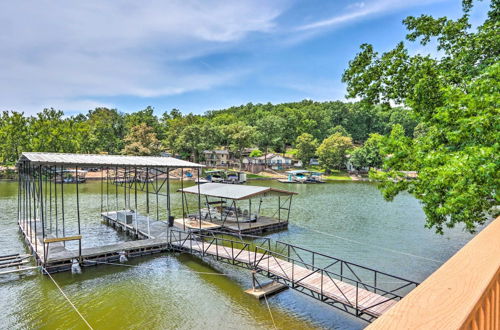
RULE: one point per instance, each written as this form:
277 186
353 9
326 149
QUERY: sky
193 55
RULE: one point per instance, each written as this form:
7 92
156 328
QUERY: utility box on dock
125 217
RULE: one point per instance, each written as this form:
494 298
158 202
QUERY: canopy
298 172
48 158
233 191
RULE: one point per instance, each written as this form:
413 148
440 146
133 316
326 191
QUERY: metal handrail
265 251
344 261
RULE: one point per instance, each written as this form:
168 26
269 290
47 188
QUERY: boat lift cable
373 245
69 301
180 270
270 313
369 244
140 266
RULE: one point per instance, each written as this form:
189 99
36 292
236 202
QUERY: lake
348 220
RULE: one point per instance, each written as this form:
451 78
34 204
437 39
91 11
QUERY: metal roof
87 160
298 172
233 191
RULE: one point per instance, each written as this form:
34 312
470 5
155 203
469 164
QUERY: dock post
78 215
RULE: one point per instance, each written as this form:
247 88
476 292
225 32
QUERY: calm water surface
349 220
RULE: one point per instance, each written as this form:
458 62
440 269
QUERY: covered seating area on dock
237 208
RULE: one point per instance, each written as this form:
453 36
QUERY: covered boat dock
238 208
135 198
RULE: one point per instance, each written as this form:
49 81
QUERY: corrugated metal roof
47 158
233 191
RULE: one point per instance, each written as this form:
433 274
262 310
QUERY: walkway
340 287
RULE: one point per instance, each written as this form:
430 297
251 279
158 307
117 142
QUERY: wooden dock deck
56 257
321 284
259 227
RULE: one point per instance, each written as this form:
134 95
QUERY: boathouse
134 197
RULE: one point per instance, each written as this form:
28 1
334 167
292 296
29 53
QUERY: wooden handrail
464 293
62 239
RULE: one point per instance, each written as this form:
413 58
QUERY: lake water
349 220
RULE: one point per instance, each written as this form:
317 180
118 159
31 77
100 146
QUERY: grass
255 176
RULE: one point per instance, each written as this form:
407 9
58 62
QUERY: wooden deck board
332 288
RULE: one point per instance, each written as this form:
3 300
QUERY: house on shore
217 158
271 160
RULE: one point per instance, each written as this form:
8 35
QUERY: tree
14 136
141 141
255 153
145 116
332 151
269 134
306 146
106 131
338 129
240 136
369 155
195 138
455 97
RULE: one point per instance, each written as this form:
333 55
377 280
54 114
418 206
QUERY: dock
231 208
226 211
55 257
349 287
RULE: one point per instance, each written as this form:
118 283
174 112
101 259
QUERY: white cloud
73 53
360 10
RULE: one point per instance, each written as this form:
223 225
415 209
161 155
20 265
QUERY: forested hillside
267 126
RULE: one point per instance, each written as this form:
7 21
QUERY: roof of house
233 191
48 158
223 151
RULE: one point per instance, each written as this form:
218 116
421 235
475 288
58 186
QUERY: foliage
269 133
369 155
455 99
13 136
141 141
240 136
256 153
106 130
306 147
332 151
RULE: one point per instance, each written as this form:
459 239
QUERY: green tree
269 134
14 136
240 136
256 153
145 116
106 130
332 151
141 141
195 138
306 146
455 97
369 155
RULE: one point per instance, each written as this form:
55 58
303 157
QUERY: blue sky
192 55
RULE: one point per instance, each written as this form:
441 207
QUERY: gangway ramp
358 290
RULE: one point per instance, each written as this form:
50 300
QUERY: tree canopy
333 151
455 98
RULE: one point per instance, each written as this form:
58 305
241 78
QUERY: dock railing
464 293
258 253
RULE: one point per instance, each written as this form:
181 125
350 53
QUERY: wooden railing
464 293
